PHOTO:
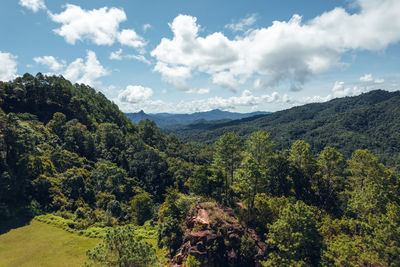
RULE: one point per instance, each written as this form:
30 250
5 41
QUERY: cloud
131 38
146 27
203 91
99 26
247 99
8 66
366 78
135 94
34 5
137 98
87 72
50 62
242 24
287 51
117 55
340 90
225 79
176 75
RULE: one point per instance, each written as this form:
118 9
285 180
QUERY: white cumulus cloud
117 55
135 94
8 66
131 38
85 71
51 62
99 26
177 75
291 51
366 78
34 5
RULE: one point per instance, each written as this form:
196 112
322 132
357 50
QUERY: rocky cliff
215 238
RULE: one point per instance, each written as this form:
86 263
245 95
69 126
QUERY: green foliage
293 238
120 247
141 208
369 121
170 234
228 157
247 248
76 152
191 261
371 185
329 180
70 226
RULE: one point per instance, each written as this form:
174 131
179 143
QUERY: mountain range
168 119
368 121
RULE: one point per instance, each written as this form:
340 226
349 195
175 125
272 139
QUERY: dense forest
68 151
368 121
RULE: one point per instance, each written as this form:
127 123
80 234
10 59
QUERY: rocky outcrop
214 237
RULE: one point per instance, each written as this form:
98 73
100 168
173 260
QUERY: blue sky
187 56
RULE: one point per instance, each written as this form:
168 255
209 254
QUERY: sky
183 56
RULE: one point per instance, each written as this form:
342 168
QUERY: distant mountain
368 121
168 119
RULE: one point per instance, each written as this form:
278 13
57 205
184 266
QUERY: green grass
70 226
40 244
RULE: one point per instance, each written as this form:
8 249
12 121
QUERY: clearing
40 244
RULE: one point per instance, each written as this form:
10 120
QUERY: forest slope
368 121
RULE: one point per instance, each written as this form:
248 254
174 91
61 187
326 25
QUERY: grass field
40 244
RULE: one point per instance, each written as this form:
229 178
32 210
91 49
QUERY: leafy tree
107 177
121 248
278 171
170 234
151 170
247 248
228 156
260 148
371 185
304 164
141 208
330 178
207 182
56 124
293 238
386 235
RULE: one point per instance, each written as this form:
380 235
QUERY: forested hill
370 120
44 95
168 119
66 147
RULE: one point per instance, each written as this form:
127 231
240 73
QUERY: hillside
168 119
30 246
67 147
370 120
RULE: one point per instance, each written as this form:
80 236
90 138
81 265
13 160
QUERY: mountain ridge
168 119
363 121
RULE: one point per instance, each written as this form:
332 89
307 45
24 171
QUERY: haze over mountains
168 119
